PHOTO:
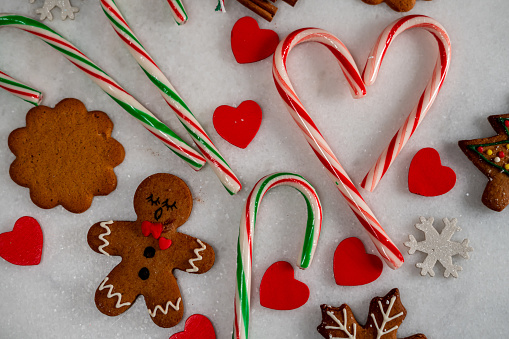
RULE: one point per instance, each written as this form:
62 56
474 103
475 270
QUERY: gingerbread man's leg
164 301
116 294
496 193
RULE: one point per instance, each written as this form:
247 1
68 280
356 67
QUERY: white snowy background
56 298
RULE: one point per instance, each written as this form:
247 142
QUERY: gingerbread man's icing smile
151 248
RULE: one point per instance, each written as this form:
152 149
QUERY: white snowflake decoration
439 247
67 11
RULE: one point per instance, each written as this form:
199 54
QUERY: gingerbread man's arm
109 237
194 255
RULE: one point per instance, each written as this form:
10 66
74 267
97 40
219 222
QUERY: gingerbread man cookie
151 248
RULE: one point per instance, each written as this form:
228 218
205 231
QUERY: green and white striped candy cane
179 12
246 232
107 84
174 100
20 90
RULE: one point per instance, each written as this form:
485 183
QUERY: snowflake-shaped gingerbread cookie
439 247
67 11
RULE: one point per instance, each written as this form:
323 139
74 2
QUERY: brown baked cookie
151 248
386 314
397 5
491 156
65 155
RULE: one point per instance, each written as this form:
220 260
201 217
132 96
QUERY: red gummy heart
279 290
164 243
250 43
23 245
353 266
238 125
427 176
197 327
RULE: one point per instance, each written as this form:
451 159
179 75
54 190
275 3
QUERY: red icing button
480 149
279 290
501 154
353 266
238 125
164 243
506 123
197 327
250 43
23 245
427 176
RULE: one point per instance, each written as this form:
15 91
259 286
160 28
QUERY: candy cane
20 90
383 243
178 11
173 99
429 95
245 242
107 84
220 6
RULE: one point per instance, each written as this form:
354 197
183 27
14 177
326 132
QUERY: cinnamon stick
291 2
261 7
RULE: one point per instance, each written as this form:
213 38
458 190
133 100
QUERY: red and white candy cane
383 243
20 90
246 232
107 84
427 98
172 98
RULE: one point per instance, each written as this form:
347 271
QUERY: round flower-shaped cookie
65 155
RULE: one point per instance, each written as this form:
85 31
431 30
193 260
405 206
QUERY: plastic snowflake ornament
67 11
439 247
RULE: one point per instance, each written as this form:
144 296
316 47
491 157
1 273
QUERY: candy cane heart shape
383 243
246 233
107 84
172 98
427 98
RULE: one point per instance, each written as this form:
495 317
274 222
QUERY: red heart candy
164 243
197 327
353 266
279 290
238 125
250 43
427 176
23 245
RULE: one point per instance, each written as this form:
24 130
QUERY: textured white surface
55 299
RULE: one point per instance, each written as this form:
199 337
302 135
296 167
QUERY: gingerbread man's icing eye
168 206
151 200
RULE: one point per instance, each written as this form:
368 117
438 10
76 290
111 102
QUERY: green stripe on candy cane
107 84
204 143
246 240
20 90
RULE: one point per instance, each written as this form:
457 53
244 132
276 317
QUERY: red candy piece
501 154
250 43
164 243
279 290
353 266
197 327
23 245
238 125
427 176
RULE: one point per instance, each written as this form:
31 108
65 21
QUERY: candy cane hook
172 98
383 243
107 84
427 98
246 232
